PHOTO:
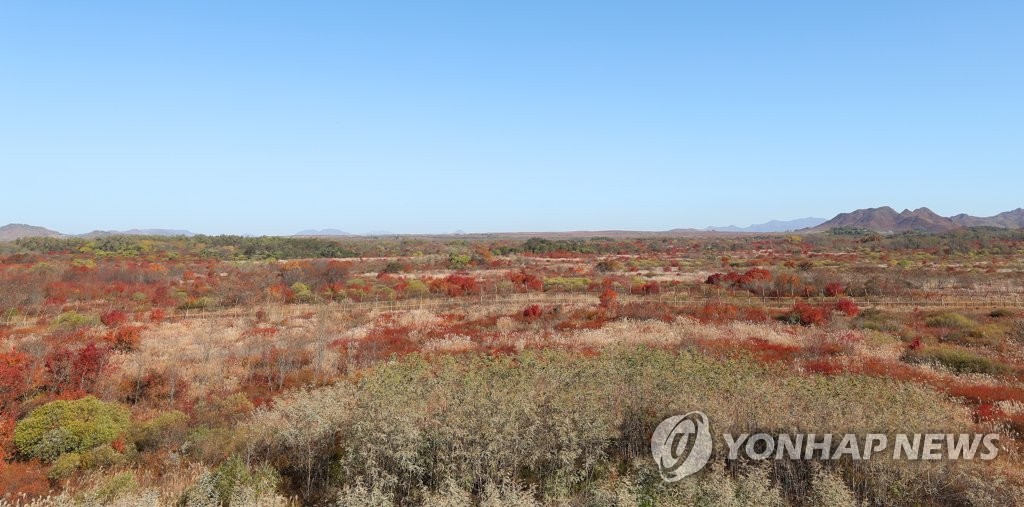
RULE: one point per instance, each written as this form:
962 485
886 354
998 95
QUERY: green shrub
233 483
566 284
103 456
608 266
950 320
211 445
957 360
988 335
67 464
877 320
393 267
201 303
75 320
8 315
302 293
119 485
69 426
165 428
459 261
416 288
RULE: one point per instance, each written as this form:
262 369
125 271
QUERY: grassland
501 370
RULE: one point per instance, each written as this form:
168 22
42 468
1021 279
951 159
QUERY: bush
877 320
957 360
988 335
119 485
103 456
416 288
67 464
950 320
608 266
233 483
167 427
566 284
538 420
65 426
847 307
114 318
532 312
300 430
806 315
828 489
459 261
394 267
302 292
75 320
125 339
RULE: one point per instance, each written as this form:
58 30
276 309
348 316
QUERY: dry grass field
501 370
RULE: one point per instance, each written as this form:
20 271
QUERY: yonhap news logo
682 445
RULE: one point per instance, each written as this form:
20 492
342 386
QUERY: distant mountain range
1007 219
11 232
137 232
886 219
774 226
322 232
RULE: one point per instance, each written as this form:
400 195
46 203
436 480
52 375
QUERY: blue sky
271 117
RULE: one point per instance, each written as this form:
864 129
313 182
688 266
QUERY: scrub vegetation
498 370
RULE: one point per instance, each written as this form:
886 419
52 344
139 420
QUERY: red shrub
532 312
754 314
608 298
157 315
456 285
647 311
262 331
983 393
847 307
125 339
808 315
646 289
23 478
13 378
754 275
154 387
526 281
717 312
380 343
89 363
986 412
823 366
834 289
7 449
767 351
114 318
69 370
724 279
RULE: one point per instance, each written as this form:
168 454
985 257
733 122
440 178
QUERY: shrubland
486 370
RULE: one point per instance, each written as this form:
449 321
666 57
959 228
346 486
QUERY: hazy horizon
264 118
380 232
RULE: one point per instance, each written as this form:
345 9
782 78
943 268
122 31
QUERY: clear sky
425 116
